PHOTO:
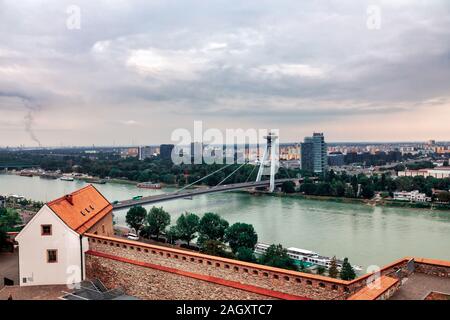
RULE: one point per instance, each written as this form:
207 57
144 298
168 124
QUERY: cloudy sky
136 70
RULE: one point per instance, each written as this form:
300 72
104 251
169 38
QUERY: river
367 235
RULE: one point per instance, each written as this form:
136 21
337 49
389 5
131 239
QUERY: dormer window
46 229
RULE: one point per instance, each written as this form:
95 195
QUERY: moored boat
52 176
25 174
148 185
304 257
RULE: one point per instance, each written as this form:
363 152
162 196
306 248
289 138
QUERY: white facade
438 173
414 196
34 268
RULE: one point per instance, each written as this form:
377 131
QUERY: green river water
367 235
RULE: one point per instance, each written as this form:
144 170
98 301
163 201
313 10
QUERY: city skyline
134 72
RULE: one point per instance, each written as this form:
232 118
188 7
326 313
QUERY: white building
413 196
438 173
52 246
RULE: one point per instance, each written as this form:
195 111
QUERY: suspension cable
187 186
254 167
231 174
287 172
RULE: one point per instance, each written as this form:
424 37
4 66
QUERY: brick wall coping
433 262
211 279
220 259
367 293
384 268
398 262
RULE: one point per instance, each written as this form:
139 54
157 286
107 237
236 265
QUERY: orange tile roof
372 293
81 209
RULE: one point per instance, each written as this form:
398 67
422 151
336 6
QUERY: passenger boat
304 257
94 180
149 185
51 176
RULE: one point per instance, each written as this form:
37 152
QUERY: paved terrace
418 285
53 292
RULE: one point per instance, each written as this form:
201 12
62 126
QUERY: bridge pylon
269 160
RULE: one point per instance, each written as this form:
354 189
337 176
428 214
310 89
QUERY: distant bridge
16 165
194 192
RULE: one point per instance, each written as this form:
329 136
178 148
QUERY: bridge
194 192
268 161
16 165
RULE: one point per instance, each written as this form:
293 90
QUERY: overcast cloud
137 70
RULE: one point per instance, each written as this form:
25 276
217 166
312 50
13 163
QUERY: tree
288 187
367 190
135 218
347 272
354 183
214 248
277 256
157 221
308 188
245 254
187 226
320 270
338 188
181 179
333 269
241 235
323 189
172 234
211 227
9 218
444 196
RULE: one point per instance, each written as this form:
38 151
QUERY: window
46 229
52 256
103 229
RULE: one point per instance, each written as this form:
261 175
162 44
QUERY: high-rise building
313 153
147 152
165 151
306 154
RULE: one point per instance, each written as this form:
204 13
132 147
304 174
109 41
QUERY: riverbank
368 235
373 203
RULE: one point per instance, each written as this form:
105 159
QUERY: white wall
33 247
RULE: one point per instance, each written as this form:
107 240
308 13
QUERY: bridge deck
193 192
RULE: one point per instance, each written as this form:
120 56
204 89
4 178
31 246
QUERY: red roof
81 209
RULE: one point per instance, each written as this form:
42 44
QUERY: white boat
66 178
304 257
149 185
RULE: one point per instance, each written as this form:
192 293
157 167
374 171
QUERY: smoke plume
29 120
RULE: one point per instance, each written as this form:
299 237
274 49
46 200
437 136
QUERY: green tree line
215 236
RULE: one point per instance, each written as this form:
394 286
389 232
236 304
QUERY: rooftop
81 209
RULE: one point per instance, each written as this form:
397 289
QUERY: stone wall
291 283
147 283
433 267
285 281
